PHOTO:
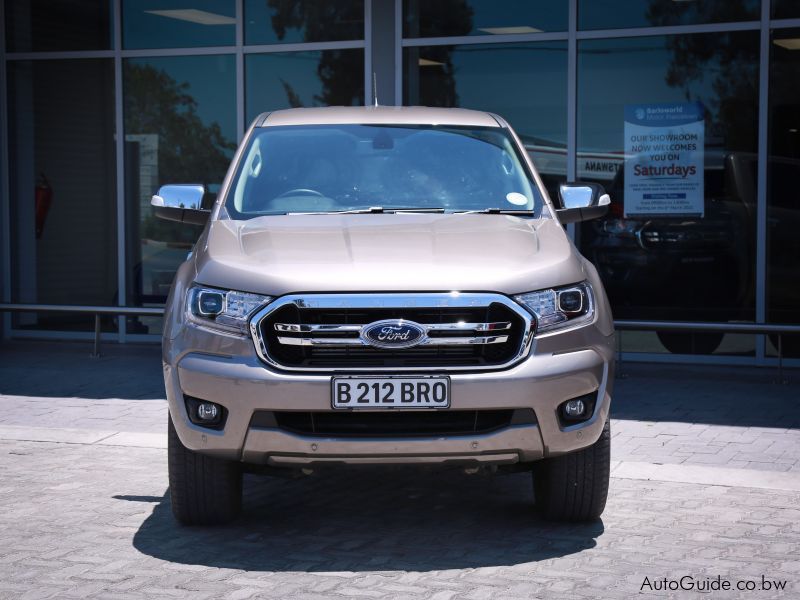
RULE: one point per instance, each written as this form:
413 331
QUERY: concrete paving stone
756 457
482 593
645 442
65 528
39 593
444 595
767 466
47 434
698 448
722 458
244 593
653 457
120 595
563 572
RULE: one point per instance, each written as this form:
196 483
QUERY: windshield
335 168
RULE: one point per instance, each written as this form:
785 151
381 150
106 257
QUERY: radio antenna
375 88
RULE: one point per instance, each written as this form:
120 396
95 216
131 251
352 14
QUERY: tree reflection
670 12
189 151
733 66
339 72
431 73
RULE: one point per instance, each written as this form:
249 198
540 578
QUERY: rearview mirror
181 202
581 201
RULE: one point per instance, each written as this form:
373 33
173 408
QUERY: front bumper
229 373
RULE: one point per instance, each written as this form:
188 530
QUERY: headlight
220 309
560 307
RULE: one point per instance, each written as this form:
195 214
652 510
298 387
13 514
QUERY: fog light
577 410
207 411
573 409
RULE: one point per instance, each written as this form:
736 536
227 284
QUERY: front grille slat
323 332
345 328
436 341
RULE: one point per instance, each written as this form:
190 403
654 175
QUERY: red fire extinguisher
44 198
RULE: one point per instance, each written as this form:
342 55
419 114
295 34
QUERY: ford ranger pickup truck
385 285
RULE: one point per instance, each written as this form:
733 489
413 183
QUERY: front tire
574 486
204 490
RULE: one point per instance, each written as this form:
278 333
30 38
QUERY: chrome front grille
322 332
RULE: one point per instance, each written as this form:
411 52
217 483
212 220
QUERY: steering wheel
301 192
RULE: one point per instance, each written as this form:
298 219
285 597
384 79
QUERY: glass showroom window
314 78
475 76
281 22
614 14
62 188
423 18
669 126
180 127
58 25
785 9
783 199
178 23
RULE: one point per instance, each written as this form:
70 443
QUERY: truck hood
276 255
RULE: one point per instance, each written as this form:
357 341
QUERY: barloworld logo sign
393 333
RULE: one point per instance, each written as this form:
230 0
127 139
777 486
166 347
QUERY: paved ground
705 483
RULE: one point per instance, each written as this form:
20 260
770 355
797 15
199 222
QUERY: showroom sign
664 159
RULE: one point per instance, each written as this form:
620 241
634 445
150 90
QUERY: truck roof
378 115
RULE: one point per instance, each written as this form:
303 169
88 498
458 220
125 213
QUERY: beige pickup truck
385 285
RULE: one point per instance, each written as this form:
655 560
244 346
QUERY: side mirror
581 202
181 202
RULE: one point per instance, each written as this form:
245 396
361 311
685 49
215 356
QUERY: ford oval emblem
393 333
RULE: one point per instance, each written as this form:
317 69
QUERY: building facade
687 112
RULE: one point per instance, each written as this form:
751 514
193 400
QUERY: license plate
391 392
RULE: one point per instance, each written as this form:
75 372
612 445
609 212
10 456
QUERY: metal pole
96 352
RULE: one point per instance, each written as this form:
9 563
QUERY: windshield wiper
369 211
496 211
436 209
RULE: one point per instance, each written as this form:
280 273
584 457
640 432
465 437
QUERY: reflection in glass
294 79
524 83
62 188
178 23
180 127
675 267
644 13
423 18
58 25
294 21
783 186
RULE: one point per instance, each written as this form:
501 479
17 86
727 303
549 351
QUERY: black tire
681 342
574 486
204 490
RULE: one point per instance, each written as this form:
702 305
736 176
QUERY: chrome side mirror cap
580 201
181 202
